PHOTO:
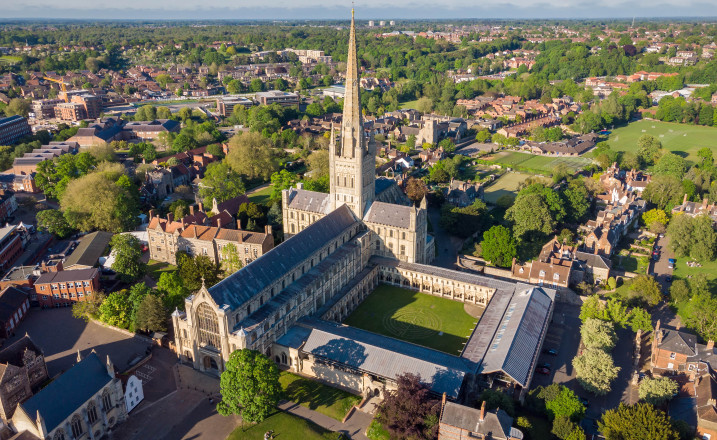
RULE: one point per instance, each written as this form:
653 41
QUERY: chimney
219 222
482 412
200 207
684 199
704 203
300 185
267 230
191 210
710 345
170 217
152 213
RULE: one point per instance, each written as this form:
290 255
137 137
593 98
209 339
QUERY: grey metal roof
67 393
242 285
311 201
90 249
515 345
296 336
479 341
389 214
386 357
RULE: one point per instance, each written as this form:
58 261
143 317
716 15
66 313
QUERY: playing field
674 137
508 183
544 164
415 317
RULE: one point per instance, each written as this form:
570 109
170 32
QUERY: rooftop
90 249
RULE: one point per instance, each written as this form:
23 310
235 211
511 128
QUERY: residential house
694 209
85 402
552 268
462 194
705 387
459 422
63 288
133 392
671 349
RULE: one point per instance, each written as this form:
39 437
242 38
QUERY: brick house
460 422
672 348
705 387
63 288
14 304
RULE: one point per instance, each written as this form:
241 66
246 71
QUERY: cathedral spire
352 123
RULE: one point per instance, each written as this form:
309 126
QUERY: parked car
551 351
544 365
542 371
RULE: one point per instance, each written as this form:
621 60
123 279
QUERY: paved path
355 426
446 244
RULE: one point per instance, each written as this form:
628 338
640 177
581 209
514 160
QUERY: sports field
433 322
674 137
508 183
544 164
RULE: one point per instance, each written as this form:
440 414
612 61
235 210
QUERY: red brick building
10 246
63 288
14 304
672 348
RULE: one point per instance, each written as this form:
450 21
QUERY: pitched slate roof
678 342
382 184
90 249
388 214
496 424
64 395
515 343
67 276
12 354
384 356
242 285
11 299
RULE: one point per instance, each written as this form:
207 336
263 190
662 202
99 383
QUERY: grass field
433 322
155 268
327 400
545 164
285 427
409 104
261 196
377 432
9 59
674 137
508 183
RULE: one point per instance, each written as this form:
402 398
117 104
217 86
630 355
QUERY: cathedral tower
352 157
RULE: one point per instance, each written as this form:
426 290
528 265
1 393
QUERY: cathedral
290 302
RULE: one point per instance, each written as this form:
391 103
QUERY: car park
542 371
551 351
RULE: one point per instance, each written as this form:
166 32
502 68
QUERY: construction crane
61 83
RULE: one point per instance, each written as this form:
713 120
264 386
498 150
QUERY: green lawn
508 183
376 431
286 427
544 164
631 263
261 196
10 59
155 268
433 322
409 104
708 269
327 400
674 137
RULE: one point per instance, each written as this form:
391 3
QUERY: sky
365 10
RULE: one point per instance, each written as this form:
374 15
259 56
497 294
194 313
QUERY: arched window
92 413
106 401
208 326
283 359
59 434
77 428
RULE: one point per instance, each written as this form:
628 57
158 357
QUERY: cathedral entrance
210 365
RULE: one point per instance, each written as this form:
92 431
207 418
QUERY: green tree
706 157
116 310
664 191
648 148
703 239
183 142
566 429
670 164
220 182
89 308
577 200
282 180
128 262
249 386
530 214
53 221
151 314
561 401
679 291
645 289
656 220
229 258
18 106
251 156
495 399
680 233
499 247
596 333
657 391
641 420
595 370
483 136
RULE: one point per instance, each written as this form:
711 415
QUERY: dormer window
542 273
556 276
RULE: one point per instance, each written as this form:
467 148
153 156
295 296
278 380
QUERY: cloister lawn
285 426
422 319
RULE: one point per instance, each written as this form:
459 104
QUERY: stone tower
352 157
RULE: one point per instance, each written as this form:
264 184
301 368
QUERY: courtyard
433 322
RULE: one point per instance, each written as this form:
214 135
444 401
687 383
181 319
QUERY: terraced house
290 302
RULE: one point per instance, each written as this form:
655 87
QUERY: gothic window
92 413
292 228
390 233
59 435
403 235
106 401
77 428
283 359
208 326
403 250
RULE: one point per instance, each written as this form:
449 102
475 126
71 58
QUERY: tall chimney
170 217
191 209
684 199
267 230
201 207
219 222
152 213
482 412
710 345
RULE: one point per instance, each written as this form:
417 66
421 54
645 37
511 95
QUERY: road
660 269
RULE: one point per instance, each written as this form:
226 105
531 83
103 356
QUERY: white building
133 393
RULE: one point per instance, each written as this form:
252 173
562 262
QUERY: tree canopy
249 386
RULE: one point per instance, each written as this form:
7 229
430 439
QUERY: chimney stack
267 230
152 213
191 210
684 199
170 217
482 412
219 222
710 345
201 207
704 203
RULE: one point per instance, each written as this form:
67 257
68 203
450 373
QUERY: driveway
661 271
446 243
